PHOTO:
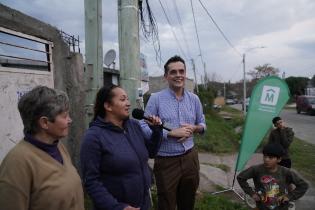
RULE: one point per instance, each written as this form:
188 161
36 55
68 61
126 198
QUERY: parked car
305 104
229 101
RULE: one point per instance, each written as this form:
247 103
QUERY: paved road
302 124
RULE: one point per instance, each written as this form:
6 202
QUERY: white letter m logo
270 95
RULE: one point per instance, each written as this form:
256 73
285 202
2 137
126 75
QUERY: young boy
272 181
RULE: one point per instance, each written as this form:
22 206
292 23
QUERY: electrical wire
174 34
182 28
196 30
150 29
217 26
236 71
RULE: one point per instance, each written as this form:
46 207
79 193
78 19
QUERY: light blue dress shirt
173 113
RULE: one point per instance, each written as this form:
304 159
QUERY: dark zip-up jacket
114 164
284 137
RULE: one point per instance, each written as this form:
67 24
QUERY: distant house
310 89
111 76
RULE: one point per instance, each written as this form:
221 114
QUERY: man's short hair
173 59
273 150
276 119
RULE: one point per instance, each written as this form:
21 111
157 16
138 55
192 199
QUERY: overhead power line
182 28
150 28
196 30
174 34
216 25
200 52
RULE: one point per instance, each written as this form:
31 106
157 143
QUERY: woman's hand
154 120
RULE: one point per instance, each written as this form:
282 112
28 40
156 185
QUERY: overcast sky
286 28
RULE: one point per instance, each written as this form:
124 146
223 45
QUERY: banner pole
234 178
231 188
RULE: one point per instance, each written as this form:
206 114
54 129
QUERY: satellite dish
109 57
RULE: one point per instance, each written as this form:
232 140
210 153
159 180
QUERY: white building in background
310 89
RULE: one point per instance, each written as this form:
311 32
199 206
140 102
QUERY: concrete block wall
68 69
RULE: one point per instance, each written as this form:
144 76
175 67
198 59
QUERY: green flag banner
267 100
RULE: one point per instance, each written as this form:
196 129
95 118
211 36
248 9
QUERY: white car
229 101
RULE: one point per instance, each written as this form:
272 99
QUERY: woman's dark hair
105 94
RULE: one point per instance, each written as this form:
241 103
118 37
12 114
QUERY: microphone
139 115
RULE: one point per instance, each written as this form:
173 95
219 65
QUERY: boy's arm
290 134
242 180
301 186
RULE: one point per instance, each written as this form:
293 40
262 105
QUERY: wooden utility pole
93 53
206 77
224 91
129 48
194 69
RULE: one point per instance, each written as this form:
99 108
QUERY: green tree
206 96
263 71
297 85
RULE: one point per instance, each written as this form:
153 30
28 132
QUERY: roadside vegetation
207 201
221 135
303 158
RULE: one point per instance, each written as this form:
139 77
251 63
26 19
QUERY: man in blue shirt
176 167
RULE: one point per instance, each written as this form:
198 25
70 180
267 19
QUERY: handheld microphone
139 115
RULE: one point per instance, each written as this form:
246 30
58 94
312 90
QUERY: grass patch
219 188
303 158
87 202
223 167
207 201
231 110
220 136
